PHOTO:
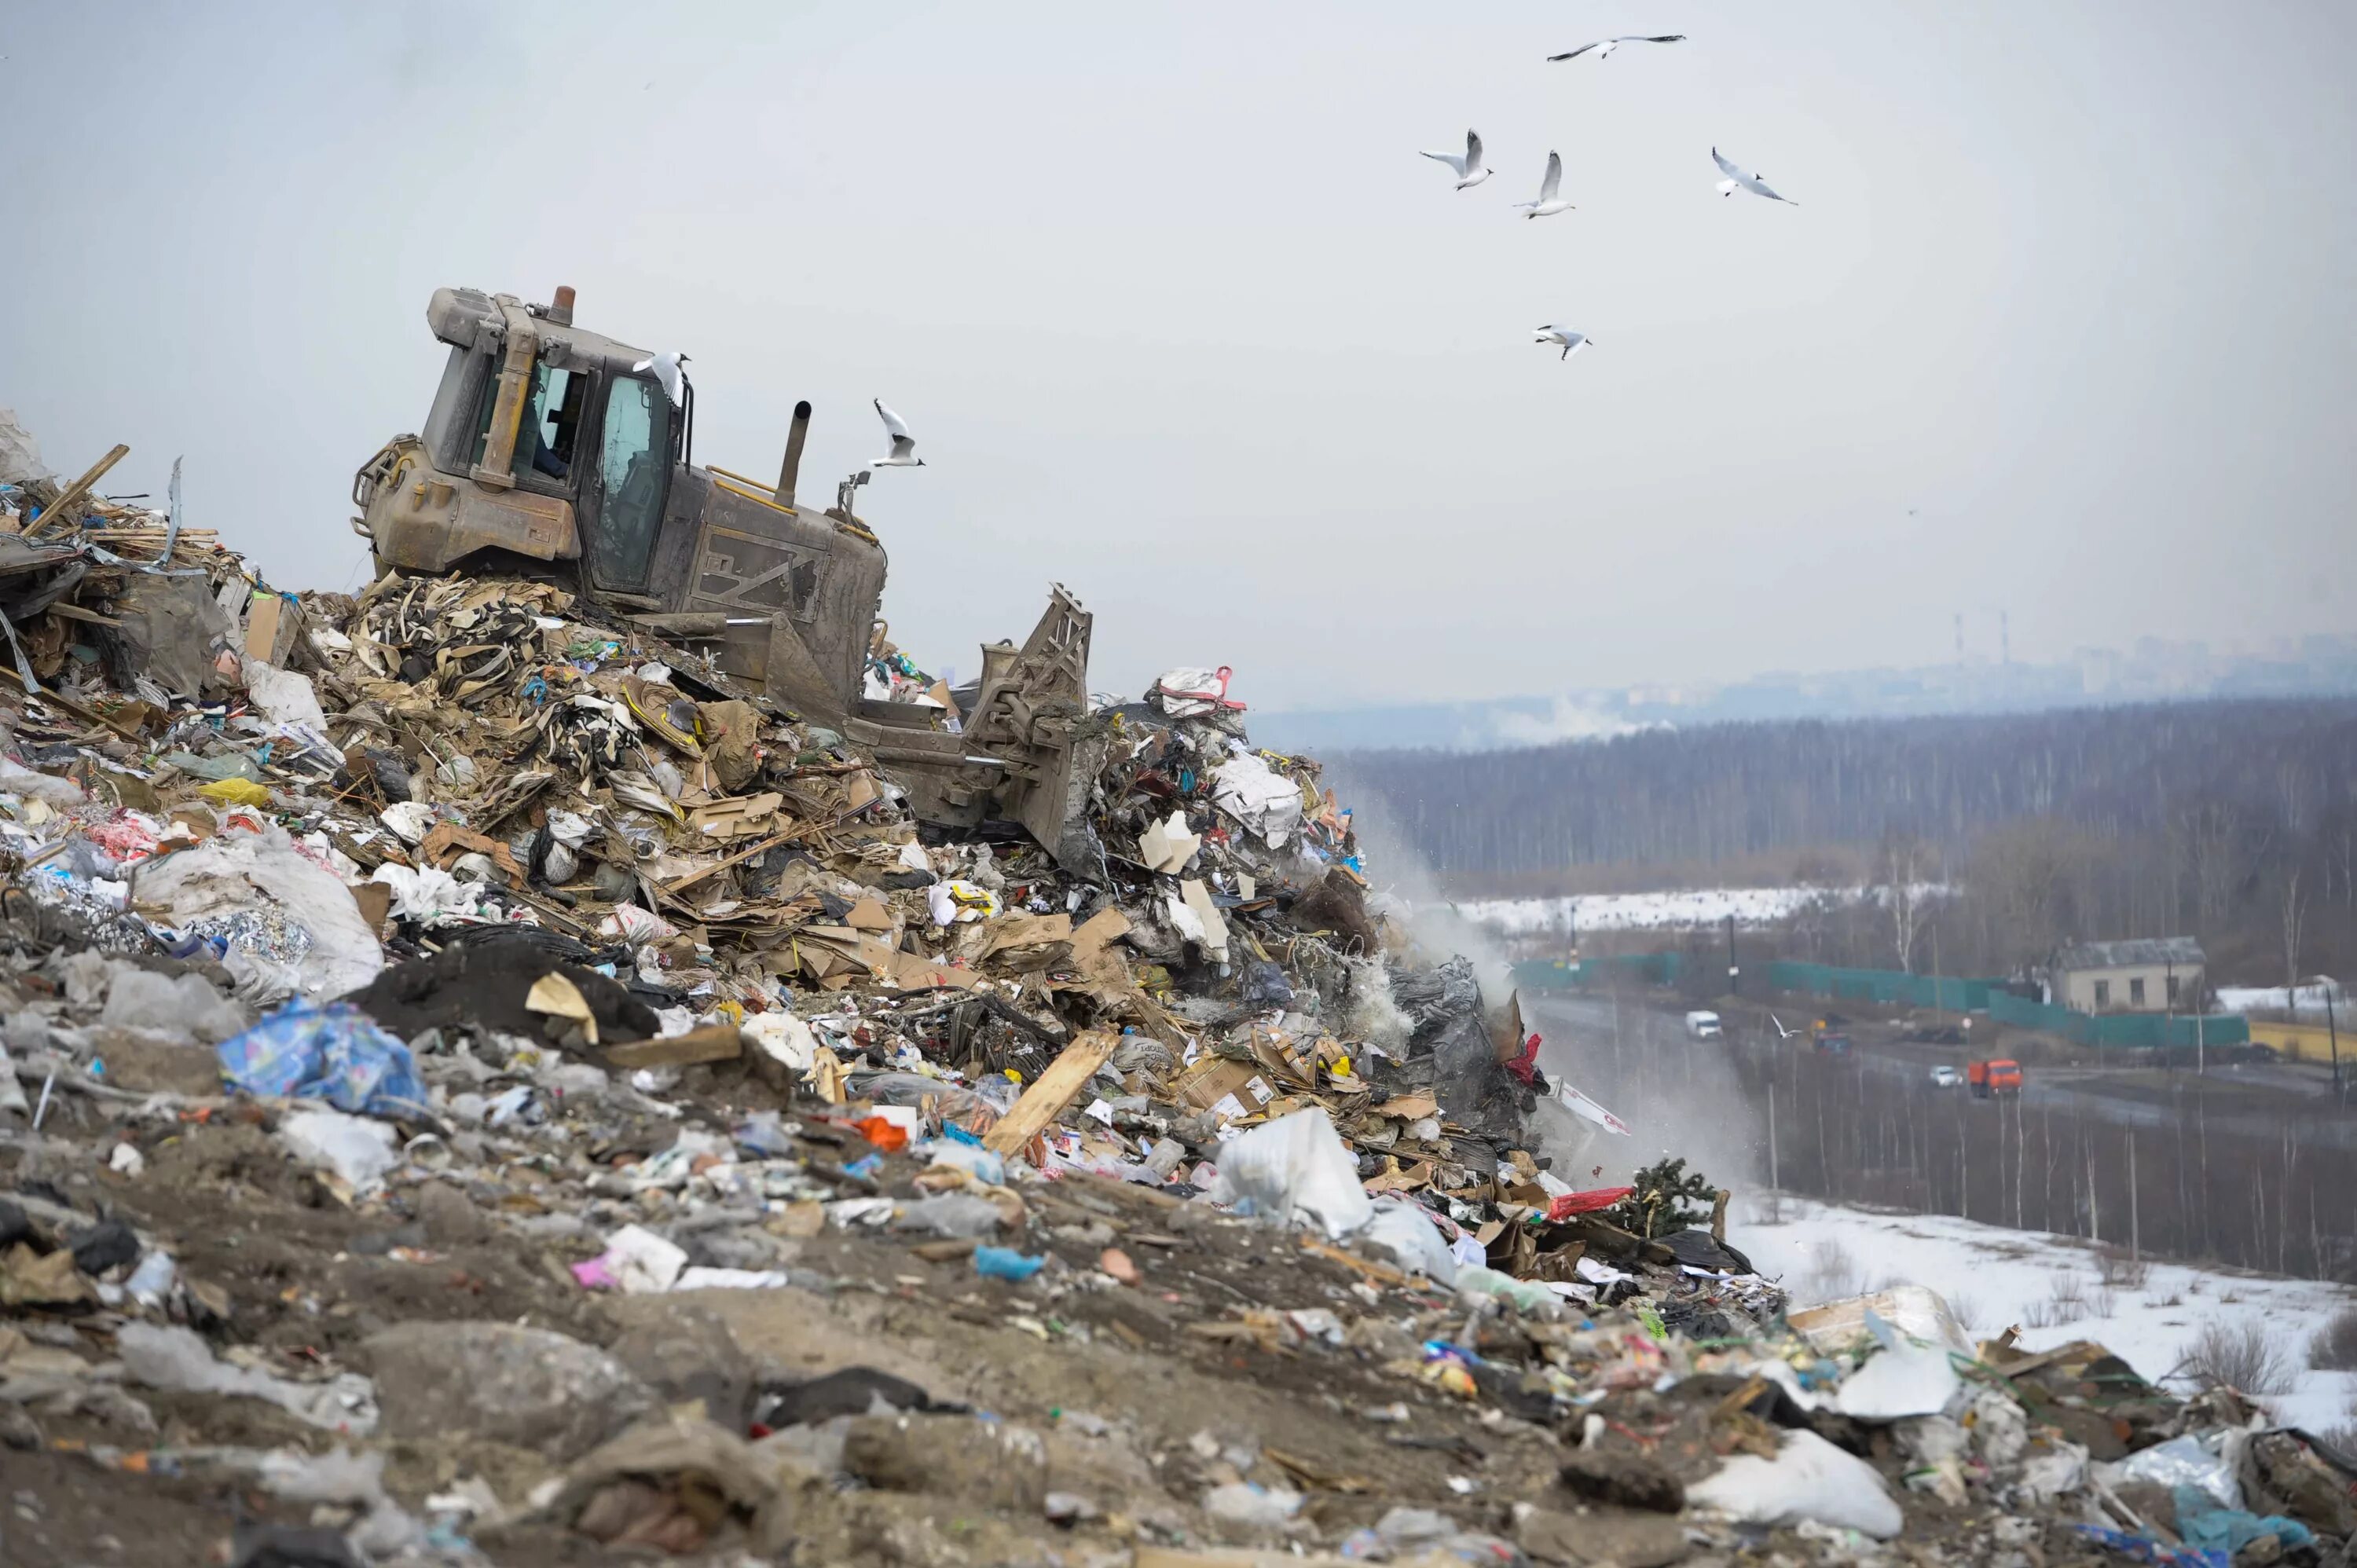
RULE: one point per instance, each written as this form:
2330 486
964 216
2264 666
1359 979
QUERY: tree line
2234 822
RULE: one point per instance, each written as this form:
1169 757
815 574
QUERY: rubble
499 1088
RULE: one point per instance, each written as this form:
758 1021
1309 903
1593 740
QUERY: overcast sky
1181 319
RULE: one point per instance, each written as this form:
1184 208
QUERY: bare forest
2233 822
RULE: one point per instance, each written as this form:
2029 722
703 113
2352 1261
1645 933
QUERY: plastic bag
782 1038
335 1053
1808 1480
2197 1460
983 1164
184 1006
283 696
20 454
1403 1232
1190 693
1295 1168
951 1214
1901 1378
264 875
15 779
358 1150
429 896
177 1358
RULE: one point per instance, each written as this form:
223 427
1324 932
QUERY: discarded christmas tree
1666 1200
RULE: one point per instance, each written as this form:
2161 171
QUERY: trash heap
478 1085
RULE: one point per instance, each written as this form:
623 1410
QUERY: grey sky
1178 315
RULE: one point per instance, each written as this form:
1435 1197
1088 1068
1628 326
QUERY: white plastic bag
184 1006
177 1358
1902 1378
1401 1230
284 697
783 1038
238 873
357 1148
1808 1480
1295 1168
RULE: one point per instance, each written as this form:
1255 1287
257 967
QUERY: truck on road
1994 1077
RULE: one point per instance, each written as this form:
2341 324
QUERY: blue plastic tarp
335 1053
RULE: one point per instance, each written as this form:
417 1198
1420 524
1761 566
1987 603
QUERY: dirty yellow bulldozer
549 454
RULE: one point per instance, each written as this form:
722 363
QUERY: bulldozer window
550 428
632 459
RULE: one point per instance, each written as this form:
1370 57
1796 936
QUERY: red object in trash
1526 1063
1587 1202
885 1134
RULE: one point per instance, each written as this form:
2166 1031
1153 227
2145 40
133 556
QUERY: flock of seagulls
1471 171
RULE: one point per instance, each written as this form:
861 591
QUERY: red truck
2001 1076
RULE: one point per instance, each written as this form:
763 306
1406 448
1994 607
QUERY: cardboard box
272 624
1202 1086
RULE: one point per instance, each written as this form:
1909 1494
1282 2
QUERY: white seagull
1469 169
667 371
904 446
1604 47
1737 178
1573 342
1546 205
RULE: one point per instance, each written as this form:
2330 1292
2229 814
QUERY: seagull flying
1469 168
904 446
1546 205
1573 342
666 367
1604 47
1751 182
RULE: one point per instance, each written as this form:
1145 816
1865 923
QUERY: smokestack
560 311
790 469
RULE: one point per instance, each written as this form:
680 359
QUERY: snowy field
1993 1277
1659 911
2310 1001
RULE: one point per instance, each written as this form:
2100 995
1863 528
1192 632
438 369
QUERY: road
2242 1098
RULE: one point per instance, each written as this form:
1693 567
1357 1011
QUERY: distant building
2149 974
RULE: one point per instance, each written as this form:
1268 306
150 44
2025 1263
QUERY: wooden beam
693 878
76 493
1050 1093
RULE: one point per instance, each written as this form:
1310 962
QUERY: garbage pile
478 1085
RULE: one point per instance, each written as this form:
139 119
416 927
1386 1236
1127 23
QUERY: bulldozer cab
611 461
548 453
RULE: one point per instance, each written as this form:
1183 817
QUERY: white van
1702 1026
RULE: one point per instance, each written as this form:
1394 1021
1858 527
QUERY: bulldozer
551 452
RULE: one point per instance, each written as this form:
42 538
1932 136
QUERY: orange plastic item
887 1135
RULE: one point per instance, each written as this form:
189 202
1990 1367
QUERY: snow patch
1993 1277
1685 909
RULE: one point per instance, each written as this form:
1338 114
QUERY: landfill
480 1086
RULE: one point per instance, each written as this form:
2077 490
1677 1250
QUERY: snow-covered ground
1993 1277
1659 911
2311 1000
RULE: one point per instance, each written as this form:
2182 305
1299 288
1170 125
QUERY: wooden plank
693 878
74 495
1051 1091
712 1043
88 715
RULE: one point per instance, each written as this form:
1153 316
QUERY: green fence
2130 1030
1642 967
1954 994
